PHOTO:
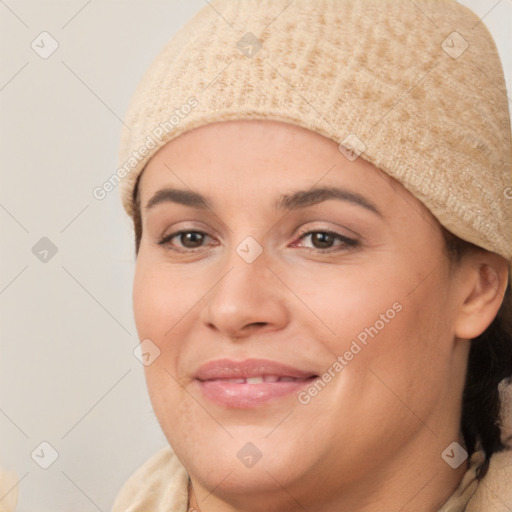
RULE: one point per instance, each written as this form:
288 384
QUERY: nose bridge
246 293
245 274
246 255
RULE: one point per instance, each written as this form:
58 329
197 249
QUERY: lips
249 383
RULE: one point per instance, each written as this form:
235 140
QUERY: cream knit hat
416 88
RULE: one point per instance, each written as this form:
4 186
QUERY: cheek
388 340
160 299
356 305
166 304
160 308
404 361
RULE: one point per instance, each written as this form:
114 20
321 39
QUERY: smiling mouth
250 383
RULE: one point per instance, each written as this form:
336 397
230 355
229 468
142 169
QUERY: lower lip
244 396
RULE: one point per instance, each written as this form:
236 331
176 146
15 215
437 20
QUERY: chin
248 462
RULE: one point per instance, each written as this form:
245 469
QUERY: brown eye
186 240
325 241
322 240
191 239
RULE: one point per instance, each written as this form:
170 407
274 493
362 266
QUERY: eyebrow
294 201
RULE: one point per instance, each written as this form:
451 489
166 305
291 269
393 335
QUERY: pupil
188 239
321 237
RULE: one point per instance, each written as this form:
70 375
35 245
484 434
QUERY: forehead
245 159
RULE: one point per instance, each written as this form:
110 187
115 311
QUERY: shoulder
491 494
494 492
159 485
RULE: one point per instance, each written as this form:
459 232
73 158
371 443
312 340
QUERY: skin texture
372 438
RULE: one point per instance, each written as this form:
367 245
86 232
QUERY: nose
248 298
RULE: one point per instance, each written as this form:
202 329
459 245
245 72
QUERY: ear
483 280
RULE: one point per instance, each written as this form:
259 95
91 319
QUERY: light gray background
68 375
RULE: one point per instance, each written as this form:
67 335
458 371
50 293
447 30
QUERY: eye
324 240
189 240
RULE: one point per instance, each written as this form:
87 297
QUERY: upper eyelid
301 232
351 240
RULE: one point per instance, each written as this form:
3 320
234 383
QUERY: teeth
266 378
254 380
269 378
259 380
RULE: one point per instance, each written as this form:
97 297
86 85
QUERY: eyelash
347 242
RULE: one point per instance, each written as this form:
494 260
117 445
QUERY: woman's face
303 313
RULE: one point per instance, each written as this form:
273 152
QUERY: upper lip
228 369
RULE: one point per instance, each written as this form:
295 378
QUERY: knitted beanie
414 87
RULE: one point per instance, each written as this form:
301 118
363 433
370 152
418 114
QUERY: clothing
8 491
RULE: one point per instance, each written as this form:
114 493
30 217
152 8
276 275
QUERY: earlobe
485 282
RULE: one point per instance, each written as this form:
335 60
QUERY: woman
321 200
